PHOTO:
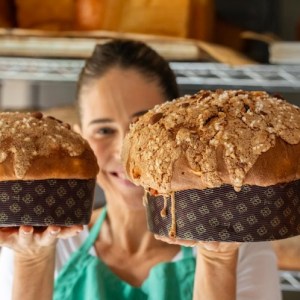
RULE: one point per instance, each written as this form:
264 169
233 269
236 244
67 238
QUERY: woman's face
108 106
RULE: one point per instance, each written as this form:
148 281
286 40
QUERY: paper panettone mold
221 214
47 172
191 153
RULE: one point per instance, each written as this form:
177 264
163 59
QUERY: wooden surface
76 44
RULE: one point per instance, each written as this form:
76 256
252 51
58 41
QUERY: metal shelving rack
271 77
191 76
39 69
285 78
290 280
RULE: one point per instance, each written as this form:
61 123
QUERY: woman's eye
105 131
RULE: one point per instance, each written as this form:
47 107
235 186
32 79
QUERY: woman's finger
186 243
67 232
30 240
48 237
208 245
25 235
219 246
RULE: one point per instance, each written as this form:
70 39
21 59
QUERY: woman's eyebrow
104 120
107 120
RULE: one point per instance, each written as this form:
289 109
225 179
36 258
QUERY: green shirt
86 277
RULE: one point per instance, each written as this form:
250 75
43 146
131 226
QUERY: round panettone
228 160
47 172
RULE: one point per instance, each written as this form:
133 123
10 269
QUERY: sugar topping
244 123
26 136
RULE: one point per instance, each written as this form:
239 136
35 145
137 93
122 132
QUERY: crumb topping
244 123
29 135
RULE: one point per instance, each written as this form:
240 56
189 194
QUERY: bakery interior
210 44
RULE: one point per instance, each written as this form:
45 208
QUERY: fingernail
26 232
78 231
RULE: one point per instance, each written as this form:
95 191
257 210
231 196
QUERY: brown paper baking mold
222 214
61 202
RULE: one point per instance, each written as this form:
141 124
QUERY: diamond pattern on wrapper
62 202
222 214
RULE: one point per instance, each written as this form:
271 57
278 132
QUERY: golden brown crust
212 138
34 147
266 170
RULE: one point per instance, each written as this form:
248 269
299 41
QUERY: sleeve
6 273
257 273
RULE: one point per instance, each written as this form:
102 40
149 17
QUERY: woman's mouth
122 179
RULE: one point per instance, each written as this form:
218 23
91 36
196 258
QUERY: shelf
33 69
275 78
283 78
290 280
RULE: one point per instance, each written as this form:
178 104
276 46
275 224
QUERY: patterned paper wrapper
61 202
222 214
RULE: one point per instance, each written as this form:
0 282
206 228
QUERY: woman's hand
215 275
30 241
218 247
34 257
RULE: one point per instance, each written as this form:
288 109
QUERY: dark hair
129 54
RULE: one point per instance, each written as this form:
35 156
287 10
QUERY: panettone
47 172
230 158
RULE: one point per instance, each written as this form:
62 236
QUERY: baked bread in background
46 14
155 17
7 14
89 14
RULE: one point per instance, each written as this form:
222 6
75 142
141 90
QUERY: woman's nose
118 144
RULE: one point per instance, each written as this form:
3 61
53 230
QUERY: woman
116 257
